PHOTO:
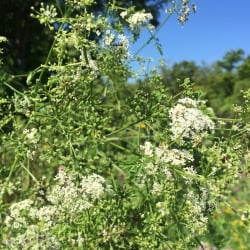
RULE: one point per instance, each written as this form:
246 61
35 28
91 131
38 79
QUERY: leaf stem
153 35
12 88
123 128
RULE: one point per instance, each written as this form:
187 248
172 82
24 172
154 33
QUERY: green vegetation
88 161
222 83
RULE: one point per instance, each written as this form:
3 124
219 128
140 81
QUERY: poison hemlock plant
91 162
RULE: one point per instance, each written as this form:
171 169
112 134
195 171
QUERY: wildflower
188 121
157 188
76 4
109 38
174 157
188 102
123 41
31 135
148 150
93 185
151 168
30 154
47 214
47 14
139 19
237 109
123 14
98 33
190 172
195 207
3 39
23 104
161 159
16 218
141 125
64 192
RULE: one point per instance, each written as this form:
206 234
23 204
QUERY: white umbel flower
187 121
138 19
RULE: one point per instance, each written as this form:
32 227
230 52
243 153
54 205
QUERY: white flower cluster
72 198
23 104
123 41
183 10
117 41
187 121
88 22
148 148
79 3
163 154
156 188
15 219
31 135
162 159
109 38
195 206
32 138
174 157
3 39
137 19
65 200
92 185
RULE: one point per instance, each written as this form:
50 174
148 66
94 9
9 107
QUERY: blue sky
217 27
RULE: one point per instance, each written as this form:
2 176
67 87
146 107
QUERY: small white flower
109 38
147 148
123 41
30 154
31 134
3 39
98 33
123 14
188 102
157 188
174 157
151 168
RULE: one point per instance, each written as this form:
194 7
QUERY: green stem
152 36
126 138
192 176
47 59
226 119
30 174
122 148
85 56
233 209
8 179
58 5
124 128
18 76
12 88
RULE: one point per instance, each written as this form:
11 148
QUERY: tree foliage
222 82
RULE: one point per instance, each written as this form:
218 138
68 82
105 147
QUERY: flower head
187 121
